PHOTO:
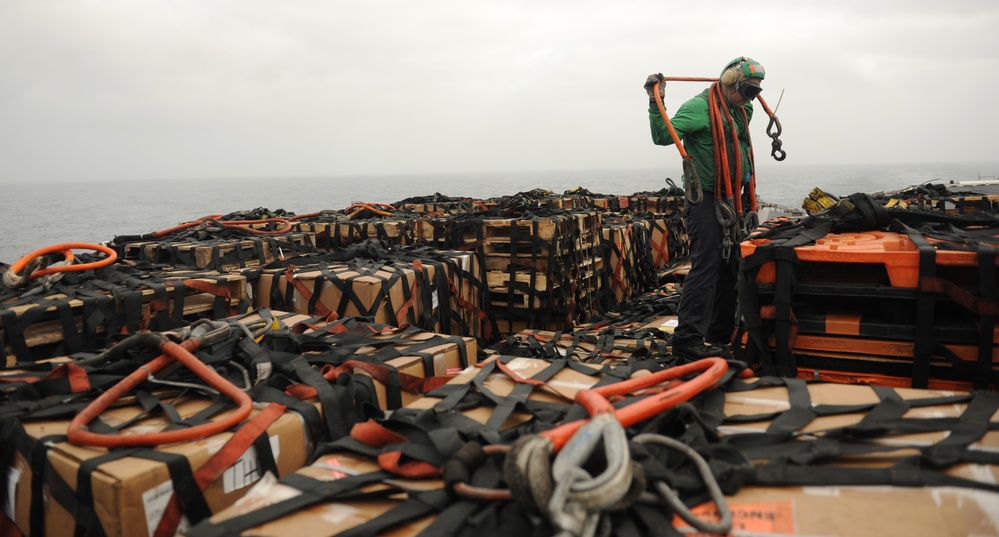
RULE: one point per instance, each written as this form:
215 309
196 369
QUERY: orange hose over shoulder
669 124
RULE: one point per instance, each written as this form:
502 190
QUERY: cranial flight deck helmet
745 75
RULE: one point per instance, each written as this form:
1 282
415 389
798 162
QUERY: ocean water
33 216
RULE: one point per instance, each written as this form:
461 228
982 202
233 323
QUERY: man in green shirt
718 117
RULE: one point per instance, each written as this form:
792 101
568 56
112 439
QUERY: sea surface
33 216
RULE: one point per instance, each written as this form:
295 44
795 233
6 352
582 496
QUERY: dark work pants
708 300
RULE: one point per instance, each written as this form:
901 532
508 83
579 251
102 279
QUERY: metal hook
776 152
724 524
693 186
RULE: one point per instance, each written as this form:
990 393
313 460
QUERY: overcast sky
137 89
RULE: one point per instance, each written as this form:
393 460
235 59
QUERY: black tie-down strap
972 288
313 492
981 302
788 451
786 456
782 455
228 252
396 230
441 291
91 306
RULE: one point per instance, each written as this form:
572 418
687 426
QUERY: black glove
650 83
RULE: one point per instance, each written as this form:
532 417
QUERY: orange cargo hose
662 111
595 400
669 124
66 248
171 352
303 216
358 208
230 224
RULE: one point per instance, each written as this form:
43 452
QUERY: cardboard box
561 388
329 518
129 494
758 511
858 511
378 290
591 347
221 254
39 331
456 305
447 355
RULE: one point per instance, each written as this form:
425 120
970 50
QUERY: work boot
698 351
726 349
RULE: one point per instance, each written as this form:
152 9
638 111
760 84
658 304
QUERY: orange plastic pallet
895 252
876 347
872 379
858 324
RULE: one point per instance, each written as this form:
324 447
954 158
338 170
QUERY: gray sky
137 89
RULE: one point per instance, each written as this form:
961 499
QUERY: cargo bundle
867 294
543 269
357 223
755 455
629 266
474 367
436 290
82 311
217 242
164 429
439 204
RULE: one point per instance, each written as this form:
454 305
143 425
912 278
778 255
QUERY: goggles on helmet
748 90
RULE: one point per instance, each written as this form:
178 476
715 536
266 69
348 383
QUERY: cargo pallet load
848 301
451 366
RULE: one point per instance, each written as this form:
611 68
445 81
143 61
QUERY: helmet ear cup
731 72
728 77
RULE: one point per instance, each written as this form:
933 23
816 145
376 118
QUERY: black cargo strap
111 298
785 260
313 492
452 515
314 424
791 458
984 243
336 400
177 251
986 321
42 473
355 231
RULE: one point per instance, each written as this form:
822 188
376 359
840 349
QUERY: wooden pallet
330 235
47 330
219 254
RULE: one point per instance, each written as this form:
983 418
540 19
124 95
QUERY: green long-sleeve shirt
693 125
